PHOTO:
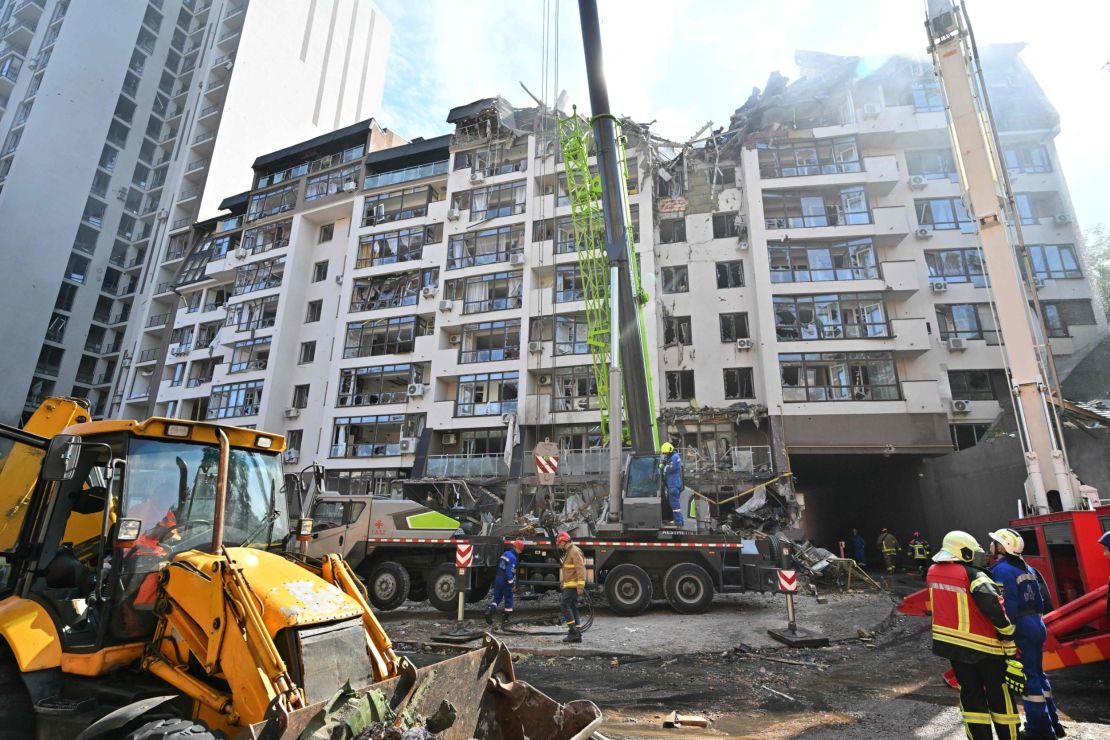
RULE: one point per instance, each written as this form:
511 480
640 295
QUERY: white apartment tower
114 126
812 279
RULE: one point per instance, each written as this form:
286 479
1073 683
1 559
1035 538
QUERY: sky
683 63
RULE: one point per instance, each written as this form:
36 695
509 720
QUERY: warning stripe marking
548 465
418 540
621 543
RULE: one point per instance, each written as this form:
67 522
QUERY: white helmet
1009 540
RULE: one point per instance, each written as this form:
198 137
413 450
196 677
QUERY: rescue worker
889 546
1021 589
672 475
970 629
918 549
572 584
143 560
504 583
859 547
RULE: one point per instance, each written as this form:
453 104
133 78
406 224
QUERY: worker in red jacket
971 629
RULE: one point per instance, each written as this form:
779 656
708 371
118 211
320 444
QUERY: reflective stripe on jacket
958 620
920 549
573 572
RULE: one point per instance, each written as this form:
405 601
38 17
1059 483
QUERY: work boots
574 635
505 619
489 616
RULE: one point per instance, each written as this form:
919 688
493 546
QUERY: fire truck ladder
584 192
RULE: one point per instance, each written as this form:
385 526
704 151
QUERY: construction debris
674 719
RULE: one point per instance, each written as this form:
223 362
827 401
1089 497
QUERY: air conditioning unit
292 413
957 344
455 339
506 418
477 177
291 456
1039 283
938 286
448 438
872 110
535 347
742 245
1062 219
415 390
179 349
241 253
918 182
408 445
961 407
923 232
350 186
257 365
339 279
446 305
544 380
453 214
516 259
744 343
428 291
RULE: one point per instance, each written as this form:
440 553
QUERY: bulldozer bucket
480 687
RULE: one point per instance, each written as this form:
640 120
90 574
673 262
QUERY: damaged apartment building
415 308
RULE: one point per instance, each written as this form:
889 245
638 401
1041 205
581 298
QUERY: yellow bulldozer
145 593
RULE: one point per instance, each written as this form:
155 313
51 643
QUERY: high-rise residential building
812 284
114 126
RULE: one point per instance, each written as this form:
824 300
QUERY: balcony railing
148 355
752 462
382 179
158 319
489 355
376 449
834 215
466 466
592 461
198 382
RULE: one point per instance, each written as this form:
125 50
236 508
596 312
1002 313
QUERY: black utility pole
627 326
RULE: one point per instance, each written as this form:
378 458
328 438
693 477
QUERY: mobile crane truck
145 594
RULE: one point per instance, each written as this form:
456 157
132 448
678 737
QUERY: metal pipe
627 340
221 492
614 443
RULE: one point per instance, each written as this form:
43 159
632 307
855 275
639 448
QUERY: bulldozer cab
153 497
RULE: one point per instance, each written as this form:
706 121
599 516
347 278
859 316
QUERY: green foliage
1097 249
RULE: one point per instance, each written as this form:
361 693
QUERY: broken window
676 330
320 271
672 230
485 247
972 385
809 157
799 262
384 336
315 309
372 386
944 213
496 201
725 225
391 291
1053 261
1032 207
253 315
967 321
398 205
487 394
330 183
249 354
680 385
734 326
499 158
235 399
800 209
1059 315
676 279
570 333
839 376
569 285
272 202
367 436
843 316
259 276
497 291
1027 158
730 274
490 341
575 389
391 247
739 383
927 95
932 164
957 266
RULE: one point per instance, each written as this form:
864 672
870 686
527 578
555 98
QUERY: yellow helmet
959 546
666 448
1009 540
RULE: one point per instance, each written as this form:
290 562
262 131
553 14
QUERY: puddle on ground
753 725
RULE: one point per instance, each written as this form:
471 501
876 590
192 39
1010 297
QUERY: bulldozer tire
17 715
442 593
688 588
388 585
174 729
628 589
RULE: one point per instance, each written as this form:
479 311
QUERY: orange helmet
562 537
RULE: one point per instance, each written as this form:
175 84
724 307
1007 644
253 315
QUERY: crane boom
954 59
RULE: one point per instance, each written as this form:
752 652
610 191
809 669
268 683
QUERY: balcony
545 408
380 449
900 278
203 138
888 225
11 62
879 174
148 355
196 165
911 336
29 11
383 179
489 465
592 461
157 320
17 34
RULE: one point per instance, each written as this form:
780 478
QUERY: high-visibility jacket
573 572
969 621
888 543
919 549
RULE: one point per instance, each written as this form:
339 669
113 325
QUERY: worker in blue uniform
859 548
504 583
1021 589
672 475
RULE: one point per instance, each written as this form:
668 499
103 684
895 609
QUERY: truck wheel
388 585
628 589
173 729
688 588
442 593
